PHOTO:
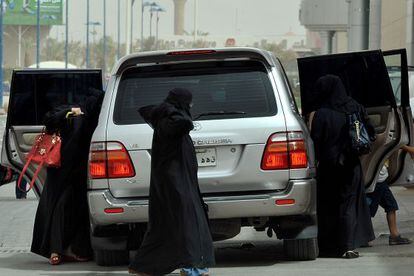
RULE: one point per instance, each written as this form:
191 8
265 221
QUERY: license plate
206 157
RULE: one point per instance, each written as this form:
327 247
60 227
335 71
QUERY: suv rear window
231 86
34 93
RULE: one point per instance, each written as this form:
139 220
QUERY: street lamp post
1 54
143 5
104 37
195 20
132 23
157 10
118 50
67 34
87 33
151 15
37 34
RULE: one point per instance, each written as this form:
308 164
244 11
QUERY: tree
53 50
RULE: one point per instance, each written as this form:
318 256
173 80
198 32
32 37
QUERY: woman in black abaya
178 234
61 229
344 223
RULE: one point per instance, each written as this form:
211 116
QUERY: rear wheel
301 250
111 257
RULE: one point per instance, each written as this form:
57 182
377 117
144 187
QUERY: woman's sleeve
318 132
55 119
175 125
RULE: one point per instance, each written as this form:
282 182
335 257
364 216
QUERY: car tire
301 250
111 257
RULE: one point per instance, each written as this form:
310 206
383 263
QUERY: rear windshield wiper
222 112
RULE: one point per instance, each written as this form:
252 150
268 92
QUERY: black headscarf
331 93
181 98
178 99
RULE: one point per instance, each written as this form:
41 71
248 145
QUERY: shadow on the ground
228 254
249 253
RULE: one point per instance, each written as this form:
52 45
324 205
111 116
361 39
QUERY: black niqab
331 93
344 222
178 234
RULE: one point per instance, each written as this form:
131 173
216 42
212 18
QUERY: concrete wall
320 15
394 24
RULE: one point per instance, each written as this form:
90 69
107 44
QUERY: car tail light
285 150
114 210
110 160
191 52
285 201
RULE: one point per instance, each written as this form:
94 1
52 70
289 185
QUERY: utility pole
358 25
66 34
87 33
128 27
118 49
37 34
104 38
195 21
1 55
142 25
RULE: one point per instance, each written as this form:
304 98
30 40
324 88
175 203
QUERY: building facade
364 24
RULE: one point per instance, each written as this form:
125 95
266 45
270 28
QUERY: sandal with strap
55 260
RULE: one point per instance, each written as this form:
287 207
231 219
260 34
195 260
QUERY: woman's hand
76 111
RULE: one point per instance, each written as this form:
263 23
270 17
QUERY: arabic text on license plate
206 157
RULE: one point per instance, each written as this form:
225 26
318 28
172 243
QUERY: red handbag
45 151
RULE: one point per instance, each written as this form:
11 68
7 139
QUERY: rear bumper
223 207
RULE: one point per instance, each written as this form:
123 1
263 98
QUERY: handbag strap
36 174
26 166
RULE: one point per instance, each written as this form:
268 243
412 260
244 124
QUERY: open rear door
401 169
365 77
32 94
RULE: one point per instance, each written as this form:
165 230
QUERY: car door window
395 67
36 93
400 163
364 75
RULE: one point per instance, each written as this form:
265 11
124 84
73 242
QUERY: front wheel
301 250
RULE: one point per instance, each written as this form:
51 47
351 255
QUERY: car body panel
236 187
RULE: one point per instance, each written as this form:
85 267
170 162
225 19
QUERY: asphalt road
250 253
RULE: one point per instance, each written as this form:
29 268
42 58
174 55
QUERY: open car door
32 94
401 165
366 79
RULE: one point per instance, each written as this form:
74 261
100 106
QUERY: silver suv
256 163
255 157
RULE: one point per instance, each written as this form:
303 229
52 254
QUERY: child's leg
392 223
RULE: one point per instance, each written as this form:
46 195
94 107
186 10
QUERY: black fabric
178 234
62 218
382 196
343 215
364 75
